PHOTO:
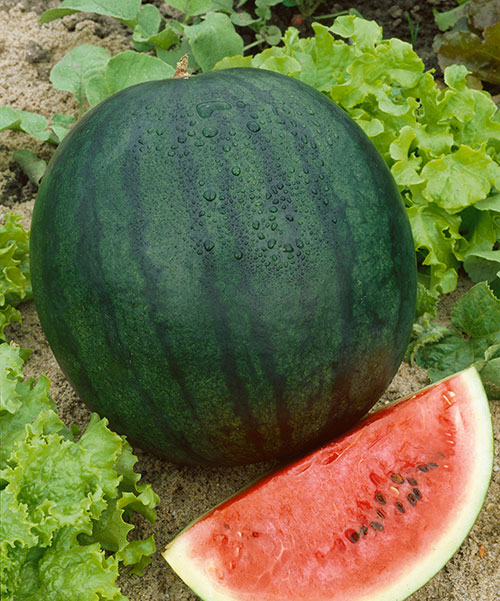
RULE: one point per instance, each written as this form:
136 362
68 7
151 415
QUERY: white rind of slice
193 572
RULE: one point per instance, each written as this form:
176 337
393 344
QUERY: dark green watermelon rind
178 551
242 397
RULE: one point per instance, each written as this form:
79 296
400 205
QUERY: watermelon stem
181 69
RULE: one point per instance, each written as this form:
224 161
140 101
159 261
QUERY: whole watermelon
223 266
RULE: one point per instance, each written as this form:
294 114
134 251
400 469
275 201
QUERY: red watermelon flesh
371 516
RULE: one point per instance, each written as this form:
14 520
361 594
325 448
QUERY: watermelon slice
371 516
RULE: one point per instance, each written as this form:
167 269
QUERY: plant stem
256 43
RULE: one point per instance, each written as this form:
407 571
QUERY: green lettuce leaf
66 501
15 280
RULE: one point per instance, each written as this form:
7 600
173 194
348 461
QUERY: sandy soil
27 52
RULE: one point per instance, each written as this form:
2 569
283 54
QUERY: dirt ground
27 52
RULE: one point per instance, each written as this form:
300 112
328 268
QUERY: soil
28 50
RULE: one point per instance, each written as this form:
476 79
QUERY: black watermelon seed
433 465
380 498
412 481
354 537
400 507
423 468
381 514
376 525
412 499
417 493
397 478
364 530
255 534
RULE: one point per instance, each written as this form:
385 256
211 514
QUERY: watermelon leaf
123 10
31 165
474 340
212 39
61 124
149 21
73 72
123 70
31 123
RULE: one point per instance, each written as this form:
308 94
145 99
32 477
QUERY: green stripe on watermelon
371 516
223 266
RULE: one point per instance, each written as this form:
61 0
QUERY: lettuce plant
15 281
66 499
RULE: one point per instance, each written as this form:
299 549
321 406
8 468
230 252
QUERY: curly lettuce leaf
66 501
15 280
442 145
478 52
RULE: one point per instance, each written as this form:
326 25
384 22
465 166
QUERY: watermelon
223 266
370 516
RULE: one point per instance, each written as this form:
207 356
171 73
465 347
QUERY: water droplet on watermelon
209 195
287 248
208 245
235 170
205 109
209 132
238 255
181 139
271 243
299 243
255 224
253 126
160 131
